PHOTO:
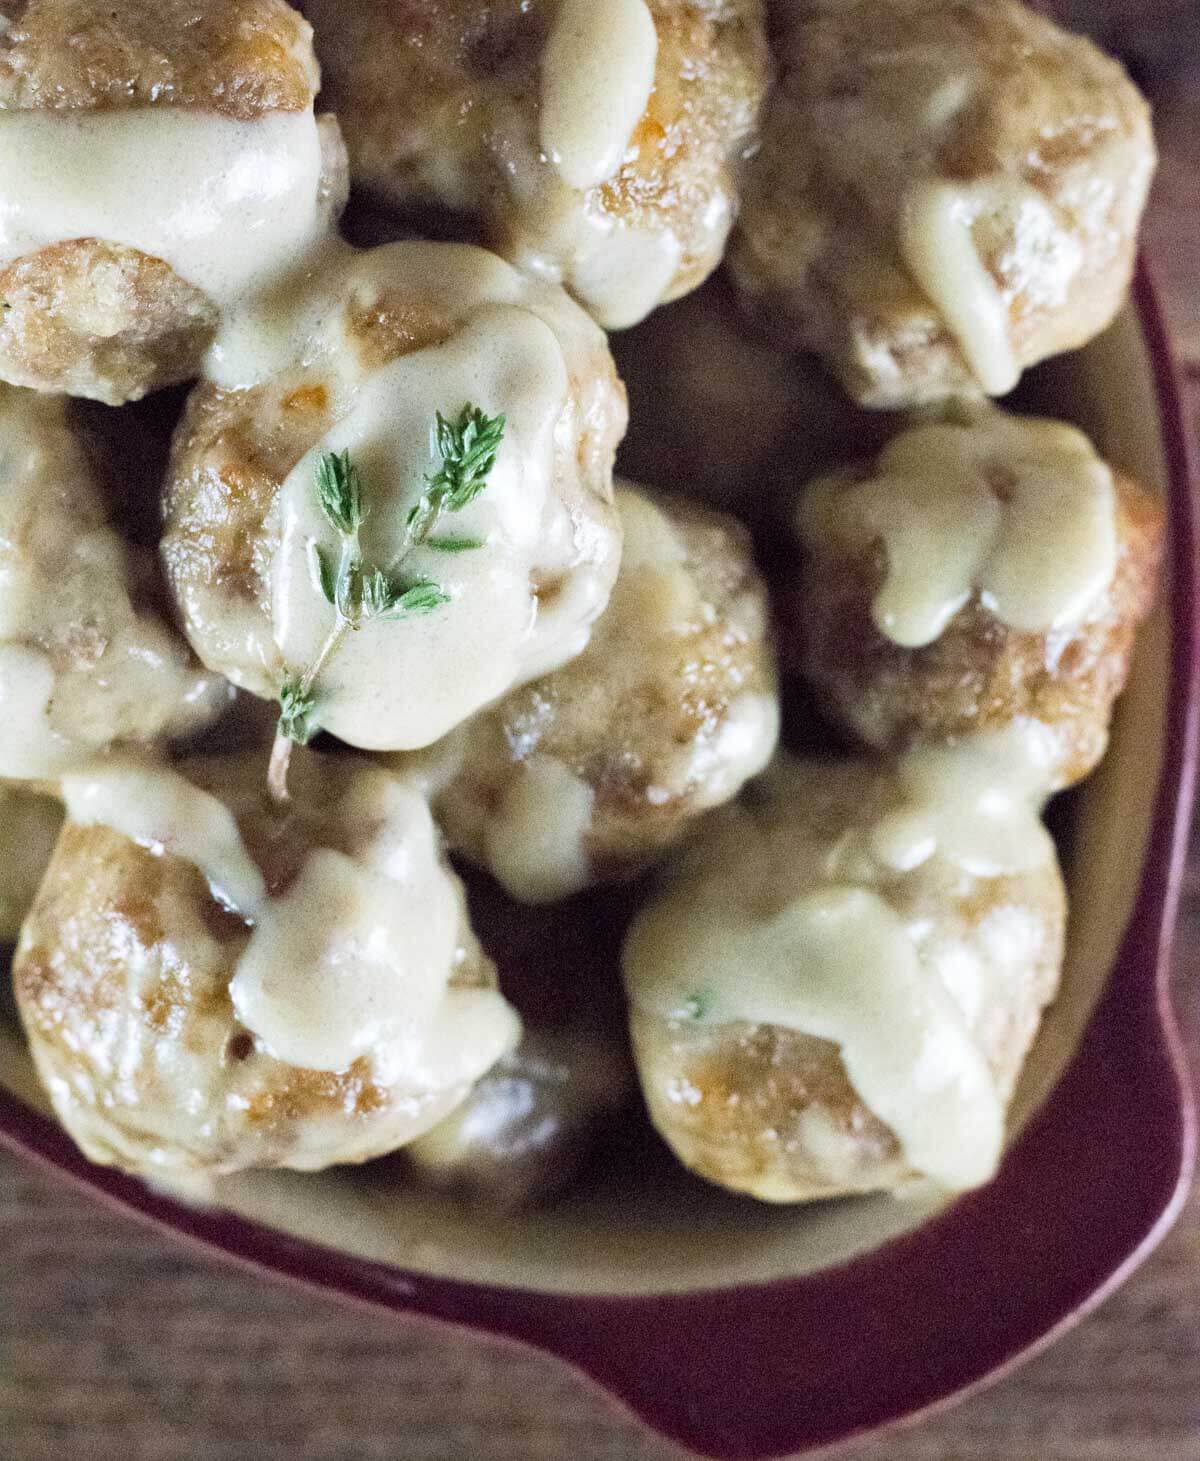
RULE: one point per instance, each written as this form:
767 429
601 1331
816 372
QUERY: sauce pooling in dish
29 827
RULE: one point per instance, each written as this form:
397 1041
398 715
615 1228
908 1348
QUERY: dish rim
839 1375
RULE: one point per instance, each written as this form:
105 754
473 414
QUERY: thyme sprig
360 591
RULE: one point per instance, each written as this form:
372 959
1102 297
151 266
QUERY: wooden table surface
115 1346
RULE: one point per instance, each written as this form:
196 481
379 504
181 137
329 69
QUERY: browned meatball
835 989
402 334
526 1128
597 143
975 669
210 983
719 413
536 1120
87 656
239 57
158 163
594 771
947 191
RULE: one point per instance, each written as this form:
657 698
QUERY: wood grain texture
115 1346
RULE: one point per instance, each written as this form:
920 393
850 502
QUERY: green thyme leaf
322 571
695 1006
480 438
468 450
340 490
421 597
296 707
361 591
455 545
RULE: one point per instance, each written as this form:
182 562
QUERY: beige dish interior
650 1226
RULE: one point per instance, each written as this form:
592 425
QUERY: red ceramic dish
738 1367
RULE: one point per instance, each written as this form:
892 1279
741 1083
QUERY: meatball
979 571
721 414
525 1129
597 144
29 827
377 348
159 162
87 658
592 772
211 983
532 1125
835 989
947 191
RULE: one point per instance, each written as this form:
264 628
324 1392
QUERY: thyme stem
359 591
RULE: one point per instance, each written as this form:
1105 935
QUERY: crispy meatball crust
97 317
875 96
670 709
439 103
770 1111
980 674
237 57
163 1077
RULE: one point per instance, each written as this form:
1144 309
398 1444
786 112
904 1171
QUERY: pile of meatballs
541 844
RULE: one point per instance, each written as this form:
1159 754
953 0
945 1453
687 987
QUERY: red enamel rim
764 1370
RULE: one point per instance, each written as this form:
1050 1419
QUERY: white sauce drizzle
161 811
320 982
401 684
226 203
1020 511
798 927
301 319
975 802
30 746
536 841
597 76
619 273
838 964
936 234
355 958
